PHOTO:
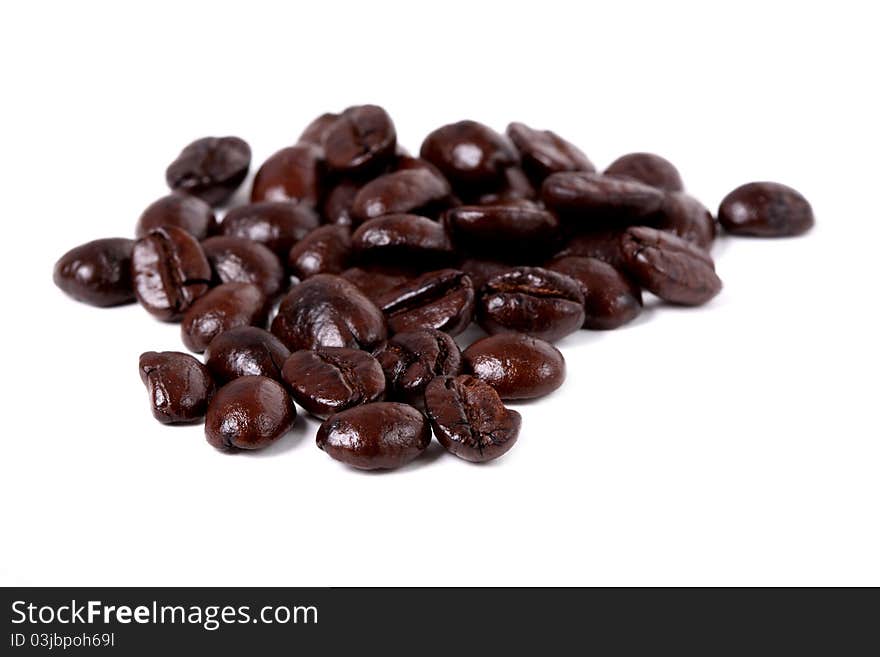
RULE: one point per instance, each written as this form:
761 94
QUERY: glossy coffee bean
672 268
503 231
412 359
337 206
647 168
765 209
314 131
363 138
330 379
531 300
245 351
402 238
190 213
375 280
481 270
469 154
442 300
517 366
224 307
610 298
211 168
328 311
325 250
279 225
382 435
686 217
240 260
291 174
544 152
97 273
469 418
589 200
170 271
413 191
179 386
250 412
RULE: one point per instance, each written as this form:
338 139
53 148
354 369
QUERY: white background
733 444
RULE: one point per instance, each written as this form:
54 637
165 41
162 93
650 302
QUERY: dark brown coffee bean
190 213
179 386
363 138
211 168
469 418
240 260
170 271
517 366
314 132
278 225
412 359
470 155
410 191
331 379
337 207
531 300
328 311
442 300
481 270
514 187
250 412
601 244
225 307
649 169
544 152
685 216
589 200
503 231
325 250
245 351
402 239
291 174
382 435
672 268
97 273
375 280
765 209
610 298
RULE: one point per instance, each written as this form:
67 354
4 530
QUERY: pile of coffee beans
379 258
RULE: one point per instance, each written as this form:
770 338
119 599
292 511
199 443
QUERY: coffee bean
97 273
337 207
481 270
610 298
375 280
503 231
190 213
412 359
469 418
416 191
170 271
211 168
226 306
513 188
292 174
382 435
278 225
249 412
179 386
240 260
672 268
686 217
590 201
531 300
647 168
331 379
765 209
325 250
442 300
517 366
328 311
601 244
544 152
402 239
363 138
245 351
470 155
315 131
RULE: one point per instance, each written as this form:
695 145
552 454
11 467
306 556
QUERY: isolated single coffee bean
294 173
224 307
765 209
190 213
325 250
245 351
250 412
503 231
442 300
179 386
686 217
170 271
211 168
97 273
402 239
240 260
469 154
382 435
413 191
589 201
610 298
469 418
327 380
603 245
338 204
672 268
517 366
363 138
278 225
412 359
647 168
544 152
315 131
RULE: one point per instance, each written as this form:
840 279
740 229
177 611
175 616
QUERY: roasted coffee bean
291 174
325 250
649 169
337 207
362 139
481 270
601 244
544 152
375 280
179 386
685 216
672 268
442 300
590 201
382 435
514 187
610 298
315 131
240 260
531 300
331 379
328 311
403 239
278 225
170 271
412 359
211 168
503 231
469 418
469 154
97 273
517 366
765 209
190 213
245 351
414 191
249 412
224 307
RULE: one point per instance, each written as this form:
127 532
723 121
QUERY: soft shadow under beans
433 452
303 428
